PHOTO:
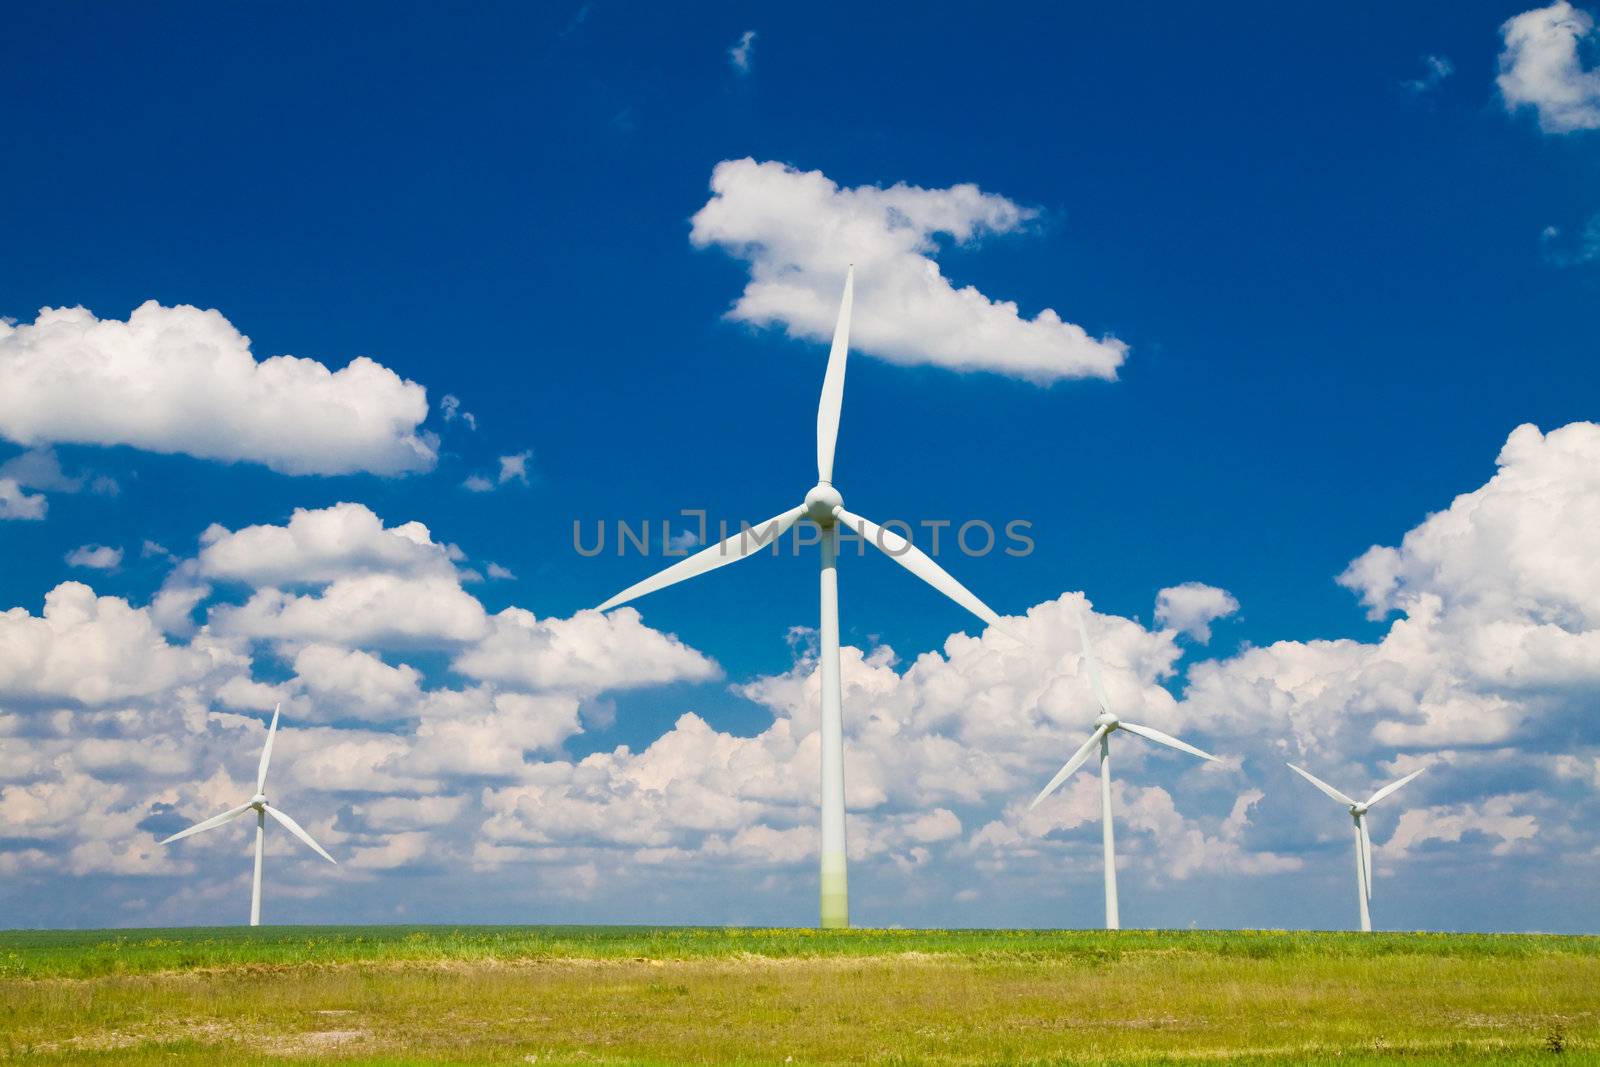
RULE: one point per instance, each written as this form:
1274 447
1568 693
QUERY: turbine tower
259 805
1105 724
825 507
1358 814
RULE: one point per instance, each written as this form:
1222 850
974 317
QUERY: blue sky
1343 278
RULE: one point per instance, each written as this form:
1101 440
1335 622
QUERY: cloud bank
429 739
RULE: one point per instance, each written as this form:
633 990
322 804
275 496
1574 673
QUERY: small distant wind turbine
1106 723
824 507
259 804
1358 813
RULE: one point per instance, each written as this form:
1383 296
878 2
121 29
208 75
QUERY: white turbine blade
1392 786
266 752
833 383
1320 784
295 829
1072 764
1165 739
735 547
1093 666
919 563
1366 853
211 823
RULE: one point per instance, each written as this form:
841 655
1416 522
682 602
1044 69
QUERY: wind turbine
825 507
259 805
1105 724
1358 814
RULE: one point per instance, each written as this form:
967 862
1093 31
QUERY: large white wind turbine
1105 724
1358 814
259 805
823 506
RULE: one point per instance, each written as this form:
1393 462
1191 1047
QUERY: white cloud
93 650
1518 547
1499 638
450 405
1496 817
319 546
585 653
739 55
410 813
499 573
1541 68
95 557
798 230
1192 607
513 468
396 850
349 683
15 503
182 380
379 610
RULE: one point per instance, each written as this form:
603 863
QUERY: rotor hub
820 503
1358 810
259 800
1108 720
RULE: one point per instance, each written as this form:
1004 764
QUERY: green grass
400 995
90 953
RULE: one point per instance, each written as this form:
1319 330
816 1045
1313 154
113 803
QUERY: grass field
560 995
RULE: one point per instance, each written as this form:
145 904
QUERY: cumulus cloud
1192 607
1499 634
92 650
319 546
381 610
182 380
798 230
1496 818
17 503
1516 547
586 653
1541 68
95 557
350 683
